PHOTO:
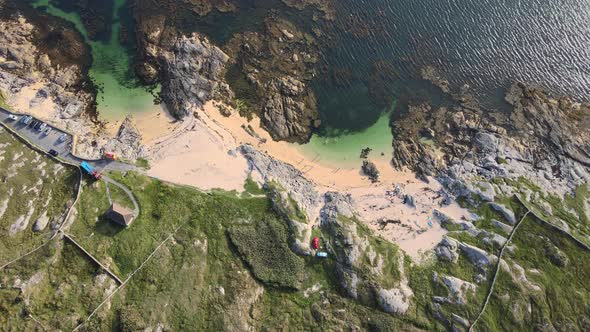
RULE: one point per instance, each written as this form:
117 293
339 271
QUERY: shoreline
201 151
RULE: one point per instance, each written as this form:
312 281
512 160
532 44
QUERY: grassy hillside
34 190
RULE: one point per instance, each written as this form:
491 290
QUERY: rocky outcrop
505 212
191 72
291 180
546 142
288 109
127 144
370 170
271 70
371 272
477 256
299 227
448 249
459 290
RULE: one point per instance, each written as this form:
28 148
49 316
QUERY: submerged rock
370 170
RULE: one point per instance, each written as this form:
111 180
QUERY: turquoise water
119 91
345 148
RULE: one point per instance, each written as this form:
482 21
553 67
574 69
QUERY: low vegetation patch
264 248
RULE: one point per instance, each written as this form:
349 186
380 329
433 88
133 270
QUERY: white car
12 117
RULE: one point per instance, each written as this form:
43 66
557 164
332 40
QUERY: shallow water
345 148
119 91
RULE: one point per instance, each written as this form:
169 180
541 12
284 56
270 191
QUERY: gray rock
41 222
127 143
493 238
486 142
447 250
505 212
409 200
288 108
442 218
192 69
460 320
298 224
486 191
506 228
477 256
11 65
290 178
458 289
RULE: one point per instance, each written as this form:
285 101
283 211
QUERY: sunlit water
119 92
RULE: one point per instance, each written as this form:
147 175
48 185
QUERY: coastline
202 152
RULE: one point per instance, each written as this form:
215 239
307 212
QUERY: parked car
41 126
27 119
33 123
47 131
53 153
12 117
62 138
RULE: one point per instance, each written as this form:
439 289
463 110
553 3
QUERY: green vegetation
143 163
119 196
563 298
252 188
264 248
228 266
61 286
32 187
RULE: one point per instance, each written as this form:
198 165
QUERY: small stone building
120 215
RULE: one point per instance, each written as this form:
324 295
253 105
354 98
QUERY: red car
316 243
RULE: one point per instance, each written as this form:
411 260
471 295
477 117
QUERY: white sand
153 125
196 155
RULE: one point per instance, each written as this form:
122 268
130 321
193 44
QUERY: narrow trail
108 181
491 290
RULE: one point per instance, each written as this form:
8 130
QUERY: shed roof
120 214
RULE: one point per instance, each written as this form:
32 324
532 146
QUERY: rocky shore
543 139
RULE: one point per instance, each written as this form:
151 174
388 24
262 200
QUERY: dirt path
108 181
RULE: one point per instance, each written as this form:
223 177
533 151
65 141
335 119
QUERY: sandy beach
201 152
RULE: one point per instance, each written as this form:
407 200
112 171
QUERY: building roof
119 214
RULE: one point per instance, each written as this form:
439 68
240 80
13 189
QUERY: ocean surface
373 53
